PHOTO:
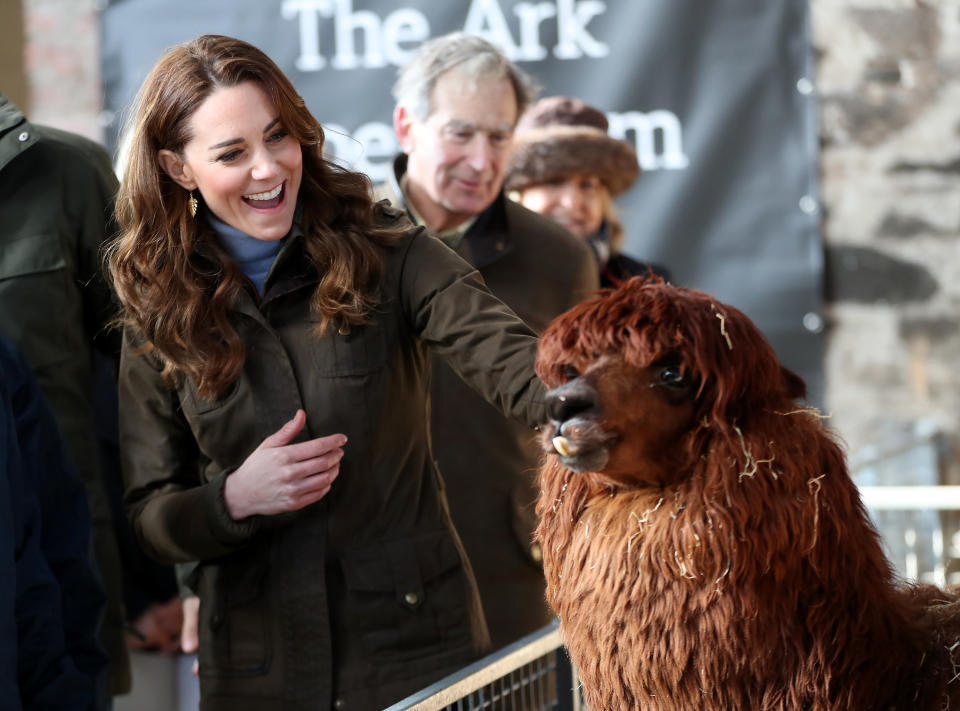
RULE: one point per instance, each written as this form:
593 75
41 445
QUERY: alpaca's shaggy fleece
735 568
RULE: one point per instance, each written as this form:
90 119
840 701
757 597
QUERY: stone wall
889 88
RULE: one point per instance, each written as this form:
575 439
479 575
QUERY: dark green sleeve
176 519
458 318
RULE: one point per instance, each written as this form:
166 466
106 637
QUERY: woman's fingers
285 434
318 488
314 485
301 470
270 480
313 448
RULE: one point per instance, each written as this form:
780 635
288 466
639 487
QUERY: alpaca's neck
669 605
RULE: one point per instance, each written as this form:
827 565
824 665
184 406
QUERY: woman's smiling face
242 160
575 201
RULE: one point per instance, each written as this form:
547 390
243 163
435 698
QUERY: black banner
717 97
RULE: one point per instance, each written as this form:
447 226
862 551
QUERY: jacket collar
488 238
16 133
290 271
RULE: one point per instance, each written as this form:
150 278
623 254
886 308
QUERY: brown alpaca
704 545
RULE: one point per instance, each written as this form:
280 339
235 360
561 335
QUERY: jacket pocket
192 402
353 351
234 617
30 254
224 427
408 598
36 281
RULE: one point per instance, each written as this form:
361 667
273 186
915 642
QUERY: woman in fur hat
566 166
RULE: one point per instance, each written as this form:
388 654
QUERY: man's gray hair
473 56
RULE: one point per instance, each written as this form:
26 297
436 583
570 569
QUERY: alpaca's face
621 420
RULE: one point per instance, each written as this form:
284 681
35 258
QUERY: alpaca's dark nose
569 400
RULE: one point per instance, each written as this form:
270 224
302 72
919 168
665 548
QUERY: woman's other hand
279 476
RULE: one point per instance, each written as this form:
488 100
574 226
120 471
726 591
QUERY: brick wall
63 64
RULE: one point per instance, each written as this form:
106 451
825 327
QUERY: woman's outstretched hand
279 476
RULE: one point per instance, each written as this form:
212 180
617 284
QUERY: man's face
457 157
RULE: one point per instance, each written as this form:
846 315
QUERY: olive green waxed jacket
56 208
365 596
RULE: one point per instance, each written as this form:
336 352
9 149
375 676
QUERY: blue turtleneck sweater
253 256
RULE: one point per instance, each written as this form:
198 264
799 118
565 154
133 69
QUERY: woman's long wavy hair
175 282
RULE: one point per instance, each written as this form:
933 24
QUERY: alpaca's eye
673 377
570 372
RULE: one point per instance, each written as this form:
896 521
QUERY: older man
457 103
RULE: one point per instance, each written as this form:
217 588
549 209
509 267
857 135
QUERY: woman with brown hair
274 389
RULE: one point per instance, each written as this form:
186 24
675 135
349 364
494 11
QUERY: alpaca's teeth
562 445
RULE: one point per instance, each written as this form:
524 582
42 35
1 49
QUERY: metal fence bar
911 498
567 680
499 681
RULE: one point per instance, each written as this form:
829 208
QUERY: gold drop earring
192 205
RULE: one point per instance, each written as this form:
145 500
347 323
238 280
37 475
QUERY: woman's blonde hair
176 284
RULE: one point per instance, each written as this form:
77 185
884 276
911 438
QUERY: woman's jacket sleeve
176 517
482 339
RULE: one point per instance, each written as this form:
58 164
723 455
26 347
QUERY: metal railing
937 497
902 485
532 674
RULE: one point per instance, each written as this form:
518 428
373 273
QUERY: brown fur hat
561 135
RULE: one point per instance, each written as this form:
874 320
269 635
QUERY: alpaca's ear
795 386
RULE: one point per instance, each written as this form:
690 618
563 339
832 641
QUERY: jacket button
339 704
536 552
411 598
500 245
23 136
